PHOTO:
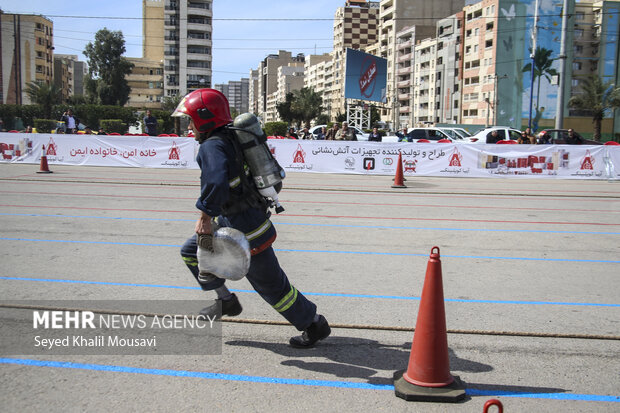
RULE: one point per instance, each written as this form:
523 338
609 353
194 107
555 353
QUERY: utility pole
559 113
532 56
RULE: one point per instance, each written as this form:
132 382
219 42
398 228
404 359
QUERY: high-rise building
27 46
318 75
253 92
356 27
69 75
146 82
448 68
187 46
146 79
268 80
424 106
63 76
406 41
394 16
479 98
237 93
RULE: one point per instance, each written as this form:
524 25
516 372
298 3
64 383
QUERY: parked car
560 137
361 135
505 133
429 134
456 133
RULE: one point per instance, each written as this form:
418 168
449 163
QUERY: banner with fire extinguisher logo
439 159
376 158
100 150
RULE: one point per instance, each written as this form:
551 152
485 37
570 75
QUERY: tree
108 68
45 95
542 68
306 105
285 109
596 98
169 104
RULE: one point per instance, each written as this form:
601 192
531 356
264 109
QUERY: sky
261 28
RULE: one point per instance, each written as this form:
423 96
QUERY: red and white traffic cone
44 168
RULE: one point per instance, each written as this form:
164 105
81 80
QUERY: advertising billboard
366 77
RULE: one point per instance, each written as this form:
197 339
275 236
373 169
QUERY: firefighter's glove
205 241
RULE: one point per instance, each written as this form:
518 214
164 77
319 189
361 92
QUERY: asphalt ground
530 277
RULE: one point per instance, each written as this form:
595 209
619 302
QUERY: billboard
365 77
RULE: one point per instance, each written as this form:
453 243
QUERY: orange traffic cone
428 377
44 168
398 178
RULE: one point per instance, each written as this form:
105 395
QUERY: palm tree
596 98
45 95
542 68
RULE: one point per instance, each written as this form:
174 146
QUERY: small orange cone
428 377
398 178
44 168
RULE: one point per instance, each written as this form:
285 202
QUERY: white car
505 133
429 134
457 134
361 135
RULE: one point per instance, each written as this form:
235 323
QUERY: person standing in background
150 124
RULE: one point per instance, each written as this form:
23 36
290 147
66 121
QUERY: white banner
439 159
100 150
430 159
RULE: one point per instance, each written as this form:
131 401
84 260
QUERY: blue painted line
403 254
95 217
553 396
448 229
341 295
288 381
195 374
394 254
333 225
90 242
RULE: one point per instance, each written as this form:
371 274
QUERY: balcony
403 83
404 109
405 57
194 5
404 96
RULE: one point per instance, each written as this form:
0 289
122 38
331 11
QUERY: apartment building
187 45
394 16
317 76
253 92
78 71
448 68
424 93
479 63
406 41
27 45
356 27
146 81
237 93
63 76
288 78
267 83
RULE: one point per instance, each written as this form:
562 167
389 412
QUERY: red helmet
208 108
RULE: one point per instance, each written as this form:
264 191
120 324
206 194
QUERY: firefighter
229 197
